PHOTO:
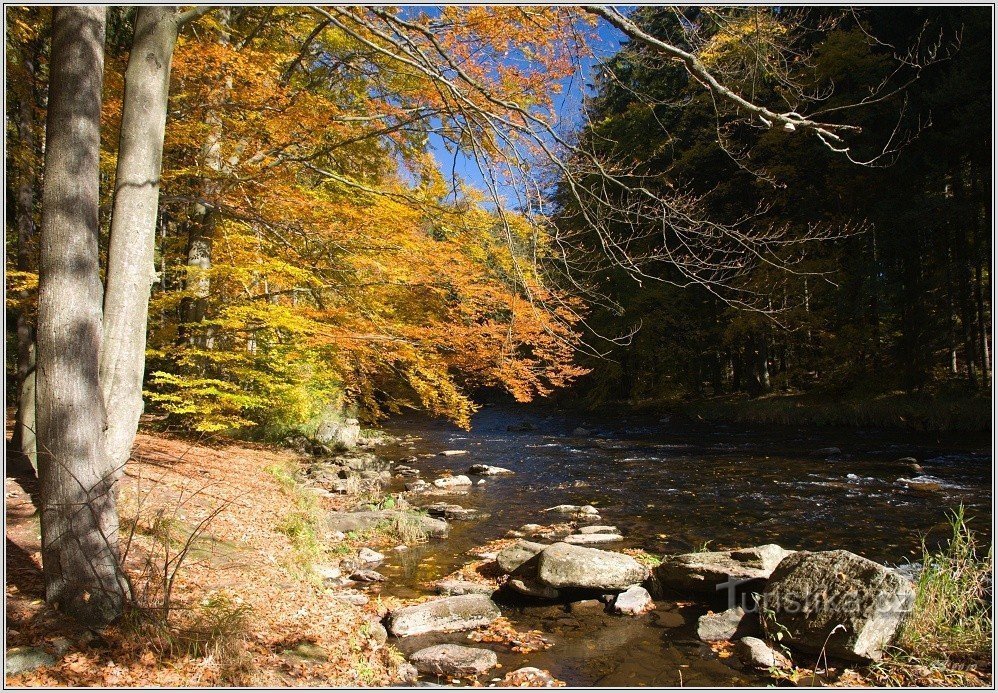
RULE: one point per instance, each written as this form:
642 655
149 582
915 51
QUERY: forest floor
211 517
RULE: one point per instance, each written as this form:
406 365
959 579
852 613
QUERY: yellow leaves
748 35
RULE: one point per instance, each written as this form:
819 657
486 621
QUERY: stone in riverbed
563 565
922 483
633 601
488 470
365 520
837 601
458 587
583 539
451 511
417 486
573 509
530 677
452 481
518 553
598 529
532 588
453 660
700 573
453 453
758 654
728 625
463 612
367 576
367 555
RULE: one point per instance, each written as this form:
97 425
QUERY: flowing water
672 487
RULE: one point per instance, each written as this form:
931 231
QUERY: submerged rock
563 565
728 625
453 660
463 612
700 573
458 587
366 520
837 601
633 601
758 654
518 553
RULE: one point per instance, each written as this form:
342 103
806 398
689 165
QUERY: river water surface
671 486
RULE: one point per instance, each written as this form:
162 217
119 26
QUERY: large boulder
728 625
366 520
836 601
338 431
700 573
462 612
518 553
453 660
563 565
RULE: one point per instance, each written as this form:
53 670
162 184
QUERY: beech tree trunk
79 519
131 269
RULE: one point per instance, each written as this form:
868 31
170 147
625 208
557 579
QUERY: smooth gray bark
131 267
79 519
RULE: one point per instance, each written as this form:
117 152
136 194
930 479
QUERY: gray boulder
452 481
837 601
563 565
366 520
463 612
21 659
758 654
518 553
700 573
728 625
633 601
453 660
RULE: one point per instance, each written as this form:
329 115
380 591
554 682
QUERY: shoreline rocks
563 565
700 573
366 520
453 660
728 625
836 601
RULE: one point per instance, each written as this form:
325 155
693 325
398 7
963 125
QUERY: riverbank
227 524
930 413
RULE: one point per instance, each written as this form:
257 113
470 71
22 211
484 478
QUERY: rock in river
563 565
452 481
532 588
364 520
756 653
456 587
728 625
700 573
453 660
463 612
633 601
837 601
598 529
518 553
488 470
592 538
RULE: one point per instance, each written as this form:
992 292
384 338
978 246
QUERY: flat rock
452 481
367 576
453 660
583 539
367 555
922 483
728 625
451 511
458 587
366 520
453 453
518 553
758 654
488 470
701 572
573 510
462 612
633 601
845 604
563 565
532 588
598 529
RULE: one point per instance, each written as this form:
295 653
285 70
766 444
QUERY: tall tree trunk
79 520
24 421
131 267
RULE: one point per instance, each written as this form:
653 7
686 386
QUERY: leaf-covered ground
241 577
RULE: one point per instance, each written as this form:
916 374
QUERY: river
673 486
